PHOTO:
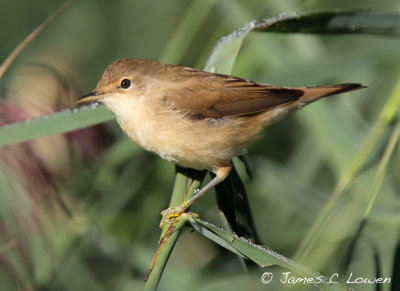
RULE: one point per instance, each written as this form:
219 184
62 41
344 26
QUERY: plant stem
186 182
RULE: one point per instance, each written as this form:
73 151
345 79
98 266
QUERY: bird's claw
171 215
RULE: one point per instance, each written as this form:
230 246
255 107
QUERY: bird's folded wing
216 96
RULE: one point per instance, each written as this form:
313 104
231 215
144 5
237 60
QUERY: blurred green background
80 211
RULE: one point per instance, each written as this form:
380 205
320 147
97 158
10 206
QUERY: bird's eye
125 83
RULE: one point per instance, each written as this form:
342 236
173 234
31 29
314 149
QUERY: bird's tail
316 92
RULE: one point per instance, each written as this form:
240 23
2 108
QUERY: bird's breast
198 144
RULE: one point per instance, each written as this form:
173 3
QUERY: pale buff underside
198 144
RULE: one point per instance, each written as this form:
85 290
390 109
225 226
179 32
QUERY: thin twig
8 61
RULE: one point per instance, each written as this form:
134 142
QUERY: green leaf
334 204
257 253
225 51
321 22
59 122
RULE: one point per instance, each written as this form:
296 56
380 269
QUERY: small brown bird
193 118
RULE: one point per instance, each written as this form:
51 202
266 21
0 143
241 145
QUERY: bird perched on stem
193 118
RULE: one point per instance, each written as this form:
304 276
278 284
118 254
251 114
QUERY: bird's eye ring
125 83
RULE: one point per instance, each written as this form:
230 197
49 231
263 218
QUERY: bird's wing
206 95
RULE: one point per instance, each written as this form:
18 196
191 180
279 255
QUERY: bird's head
123 79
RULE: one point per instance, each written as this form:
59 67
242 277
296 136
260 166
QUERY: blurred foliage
80 211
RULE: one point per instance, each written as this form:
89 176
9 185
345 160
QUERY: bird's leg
170 214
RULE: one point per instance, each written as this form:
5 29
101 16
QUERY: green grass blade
187 30
382 169
375 134
257 253
225 51
62 121
375 189
324 22
320 22
8 61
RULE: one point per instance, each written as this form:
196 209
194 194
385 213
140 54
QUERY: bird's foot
170 215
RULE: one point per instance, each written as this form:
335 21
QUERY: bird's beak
91 97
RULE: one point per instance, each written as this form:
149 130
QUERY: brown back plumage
201 94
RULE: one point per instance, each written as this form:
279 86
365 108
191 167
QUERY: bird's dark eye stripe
125 83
